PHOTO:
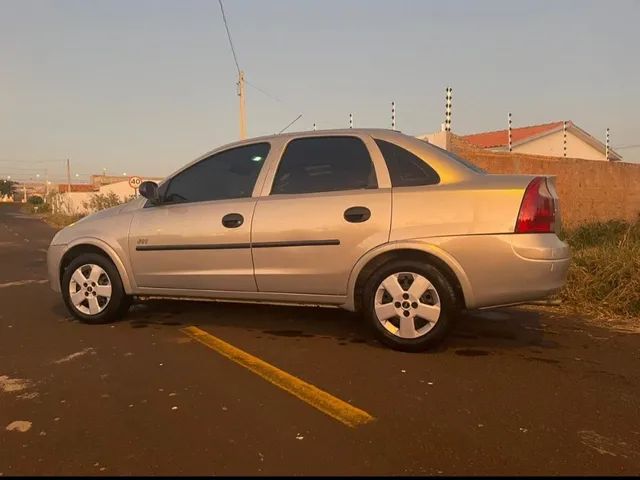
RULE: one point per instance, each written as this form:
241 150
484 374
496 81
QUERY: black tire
119 302
449 309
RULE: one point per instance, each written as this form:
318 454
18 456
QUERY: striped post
607 146
351 120
393 115
447 112
509 131
564 139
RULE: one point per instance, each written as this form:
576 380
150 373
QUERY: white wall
72 203
439 139
552 145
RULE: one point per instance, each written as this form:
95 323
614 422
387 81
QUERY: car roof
437 157
312 133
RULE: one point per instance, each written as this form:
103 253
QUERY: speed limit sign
134 182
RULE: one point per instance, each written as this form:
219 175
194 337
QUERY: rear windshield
460 160
466 163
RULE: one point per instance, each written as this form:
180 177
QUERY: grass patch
57 220
60 220
604 276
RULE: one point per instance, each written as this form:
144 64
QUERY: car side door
327 203
198 237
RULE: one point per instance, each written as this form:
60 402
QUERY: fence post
447 112
509 134
393 115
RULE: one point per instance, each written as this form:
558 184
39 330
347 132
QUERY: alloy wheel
407 305
90 289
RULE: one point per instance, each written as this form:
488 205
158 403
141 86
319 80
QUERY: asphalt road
513 391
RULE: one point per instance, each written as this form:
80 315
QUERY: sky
145 86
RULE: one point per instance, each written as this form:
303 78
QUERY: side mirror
149 190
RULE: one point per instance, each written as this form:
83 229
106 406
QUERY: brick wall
589 190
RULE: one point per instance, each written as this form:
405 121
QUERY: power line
34 161
264 92
24 169
242 80
226 26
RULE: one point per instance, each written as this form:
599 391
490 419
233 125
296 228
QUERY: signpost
134 182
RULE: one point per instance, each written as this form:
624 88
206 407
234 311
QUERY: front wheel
92 289
411 305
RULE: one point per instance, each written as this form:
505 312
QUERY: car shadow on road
474 334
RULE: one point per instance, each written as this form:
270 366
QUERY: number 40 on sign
134 182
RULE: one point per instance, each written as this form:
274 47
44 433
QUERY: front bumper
54 257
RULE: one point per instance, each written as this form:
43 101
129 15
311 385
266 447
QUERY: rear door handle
357 214
232 220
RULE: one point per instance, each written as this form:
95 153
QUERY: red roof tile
77 187
500 138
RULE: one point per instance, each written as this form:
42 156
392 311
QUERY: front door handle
357 214
232 220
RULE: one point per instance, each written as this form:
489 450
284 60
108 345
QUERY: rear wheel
92 289
410 305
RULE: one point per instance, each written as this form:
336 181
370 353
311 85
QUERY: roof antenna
297 118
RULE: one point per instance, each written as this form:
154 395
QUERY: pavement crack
75 355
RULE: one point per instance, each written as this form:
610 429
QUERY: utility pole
46 184
68 176
243 117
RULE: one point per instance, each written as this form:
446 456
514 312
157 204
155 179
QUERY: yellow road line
323 401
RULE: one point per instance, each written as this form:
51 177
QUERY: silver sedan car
367 220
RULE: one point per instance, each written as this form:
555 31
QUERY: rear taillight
538 209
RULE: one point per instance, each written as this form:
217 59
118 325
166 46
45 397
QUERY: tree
101 201
6 188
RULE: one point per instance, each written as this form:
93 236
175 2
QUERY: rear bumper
545 246
54 257
510 268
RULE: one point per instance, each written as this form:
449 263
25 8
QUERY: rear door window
324 164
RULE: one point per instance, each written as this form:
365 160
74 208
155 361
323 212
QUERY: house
546 139
102 180
77 201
